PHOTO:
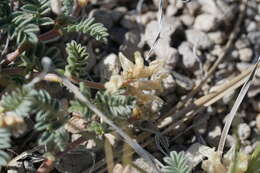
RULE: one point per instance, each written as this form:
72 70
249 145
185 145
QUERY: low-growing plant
31 30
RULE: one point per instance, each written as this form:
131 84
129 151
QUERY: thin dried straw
158 36
235 107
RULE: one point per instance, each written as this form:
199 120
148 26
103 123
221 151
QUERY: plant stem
13 55
51 77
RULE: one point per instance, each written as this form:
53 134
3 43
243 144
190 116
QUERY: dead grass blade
208 99
235 107
160 23
109 156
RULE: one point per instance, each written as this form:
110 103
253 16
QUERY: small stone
193 7
201 124
163 48
130 44
243 66
257 18
171 10
188 58
187 20
217 37
118 13
248 149
102 16
251 27
129 22
242 43
171 59
258 121
244 131
231 141
168 84
205 22
234 54
214 132
193 155
228 98
117 34
217 50
141 163
254 90
179 4
171 25
147 17
199 39
252 124
256 106
245 54
108 66
254 38
209 6
250 12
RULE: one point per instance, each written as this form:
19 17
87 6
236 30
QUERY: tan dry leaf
242 162
138 70
115 83
118 168
213 164
135 73
148 85
76 124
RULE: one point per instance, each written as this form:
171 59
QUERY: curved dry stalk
158 36
235 107
51 77
206 100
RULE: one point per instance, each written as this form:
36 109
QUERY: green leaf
4 143
61 138
77 60
30 8
68 7
116 105
87 26
45 138
4 158
79 107
45 21
176 163
18 101
254 163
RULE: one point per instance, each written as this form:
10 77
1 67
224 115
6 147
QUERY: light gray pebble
245 54
205 22
198 38
244 131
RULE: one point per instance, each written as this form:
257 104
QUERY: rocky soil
193 36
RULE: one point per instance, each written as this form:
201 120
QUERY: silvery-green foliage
176 163
23 25
77 60
88 26
4 143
